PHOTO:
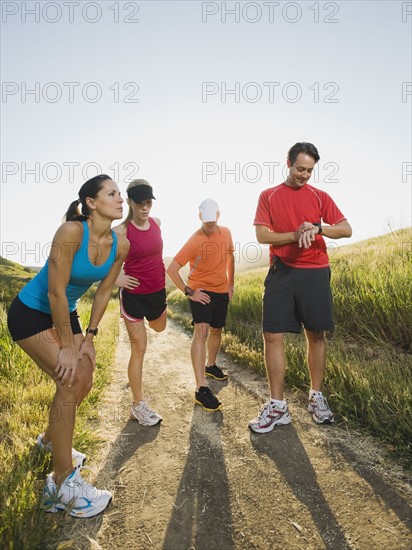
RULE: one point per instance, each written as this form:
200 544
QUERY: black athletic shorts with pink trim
214 313
135 307
23 321
294 297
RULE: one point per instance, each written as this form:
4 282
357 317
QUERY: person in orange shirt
210 252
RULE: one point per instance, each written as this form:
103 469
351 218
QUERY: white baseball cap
209 209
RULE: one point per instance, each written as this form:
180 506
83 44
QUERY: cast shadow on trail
285 449
201 513
380 487
130 439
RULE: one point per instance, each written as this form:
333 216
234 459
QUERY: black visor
140 193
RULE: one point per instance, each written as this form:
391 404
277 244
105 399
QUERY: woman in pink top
142 288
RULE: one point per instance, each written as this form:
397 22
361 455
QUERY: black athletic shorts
134 307
294 297
23 321
213 313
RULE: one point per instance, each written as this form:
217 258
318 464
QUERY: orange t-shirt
208 259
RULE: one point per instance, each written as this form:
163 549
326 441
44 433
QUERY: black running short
294 297
23 321
213 313
135 307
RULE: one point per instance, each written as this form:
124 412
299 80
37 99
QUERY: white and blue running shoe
79 498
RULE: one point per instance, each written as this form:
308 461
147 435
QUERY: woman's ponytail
78 211
74 214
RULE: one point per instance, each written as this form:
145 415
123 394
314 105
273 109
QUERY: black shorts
23 321
134 307
294 297
213 313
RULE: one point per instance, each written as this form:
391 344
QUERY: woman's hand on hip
127 281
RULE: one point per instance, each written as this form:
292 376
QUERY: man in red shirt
290 218
212 269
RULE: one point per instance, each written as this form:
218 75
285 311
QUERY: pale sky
203 99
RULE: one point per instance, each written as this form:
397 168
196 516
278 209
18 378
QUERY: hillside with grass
369 365
12 278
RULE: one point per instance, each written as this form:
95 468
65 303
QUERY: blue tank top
82 276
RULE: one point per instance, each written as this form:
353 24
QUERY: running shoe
79 498
205 398
215 372
270 416
144 414
79 459
319 407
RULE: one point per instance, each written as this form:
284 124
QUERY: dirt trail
203 481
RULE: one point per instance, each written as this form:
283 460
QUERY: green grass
25 397
369 372
12 277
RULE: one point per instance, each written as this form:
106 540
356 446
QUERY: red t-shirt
283 209
144 260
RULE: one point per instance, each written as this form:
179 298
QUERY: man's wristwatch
320 228
189 291
93 331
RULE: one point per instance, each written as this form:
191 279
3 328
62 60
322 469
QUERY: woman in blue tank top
43 321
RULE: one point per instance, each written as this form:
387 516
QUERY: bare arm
173 272
65 244
338 231
265 236
104 290
124 281
102 297
230 270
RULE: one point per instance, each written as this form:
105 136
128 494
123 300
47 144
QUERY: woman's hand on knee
67 363
88 349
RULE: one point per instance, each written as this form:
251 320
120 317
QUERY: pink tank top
144 260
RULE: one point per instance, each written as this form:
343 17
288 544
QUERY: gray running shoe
144 414
319 407
269 417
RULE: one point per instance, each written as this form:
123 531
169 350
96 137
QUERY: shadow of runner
130 439
202 506
78 533
284 447
380 487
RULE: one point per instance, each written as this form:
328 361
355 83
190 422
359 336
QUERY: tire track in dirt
202 481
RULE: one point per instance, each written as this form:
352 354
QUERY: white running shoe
319 407
270 416
79 498
144 414
78 458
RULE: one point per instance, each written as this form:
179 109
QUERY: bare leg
275 363
213 344
198 352
159 324
316 358
138 342
43 348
